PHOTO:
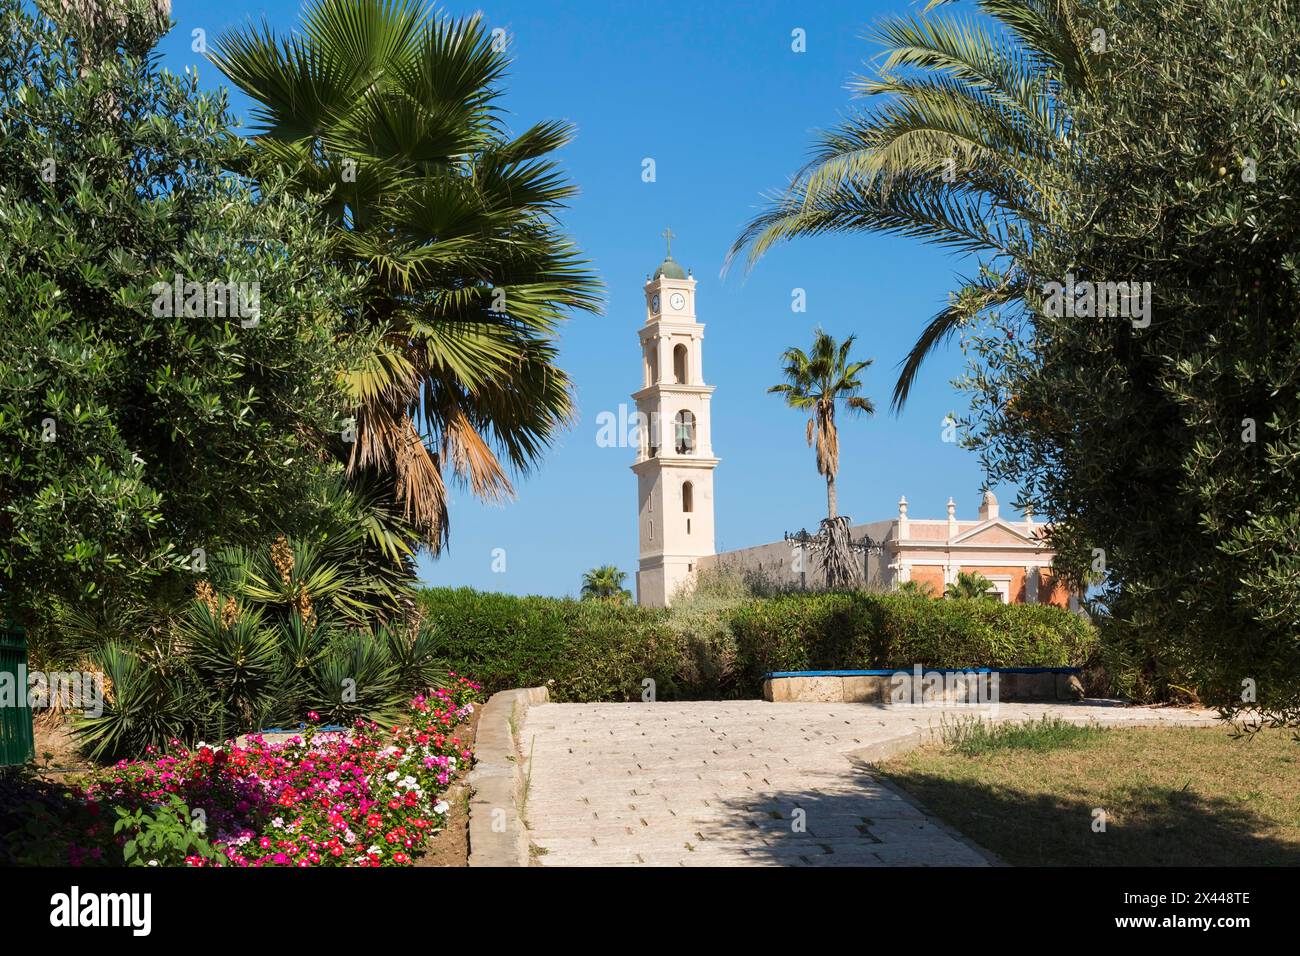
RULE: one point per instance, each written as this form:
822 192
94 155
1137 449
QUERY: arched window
688 497
684 432
679 364
651 365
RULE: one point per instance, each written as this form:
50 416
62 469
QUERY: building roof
669 269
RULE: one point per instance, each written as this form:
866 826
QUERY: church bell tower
674 463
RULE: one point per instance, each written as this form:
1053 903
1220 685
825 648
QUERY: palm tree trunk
830 496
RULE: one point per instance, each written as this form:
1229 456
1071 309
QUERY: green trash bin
17 745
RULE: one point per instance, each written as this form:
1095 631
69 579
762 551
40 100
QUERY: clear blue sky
714 93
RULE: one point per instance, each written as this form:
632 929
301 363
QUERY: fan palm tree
391 112
605 583
971 586
817 382
958 153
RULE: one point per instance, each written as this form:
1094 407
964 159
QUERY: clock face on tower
654 303
677 301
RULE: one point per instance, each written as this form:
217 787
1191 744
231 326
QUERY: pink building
1010 554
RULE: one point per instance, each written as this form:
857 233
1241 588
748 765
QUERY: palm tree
959 153
391 112
605 583
970 586
916 589
817 382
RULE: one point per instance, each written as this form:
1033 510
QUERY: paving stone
718 783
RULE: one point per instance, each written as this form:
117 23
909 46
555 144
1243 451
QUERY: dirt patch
57 753
450 845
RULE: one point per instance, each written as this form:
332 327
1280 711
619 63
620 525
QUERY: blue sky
715 95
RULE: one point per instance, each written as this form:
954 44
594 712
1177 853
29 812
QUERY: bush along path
370 797
710 649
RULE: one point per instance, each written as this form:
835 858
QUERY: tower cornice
647 465
672 388
654 328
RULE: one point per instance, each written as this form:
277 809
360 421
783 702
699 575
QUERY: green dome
670 269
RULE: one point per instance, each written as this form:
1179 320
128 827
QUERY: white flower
349 837
391 777
442 806
373 849
278 822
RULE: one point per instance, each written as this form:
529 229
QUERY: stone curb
884 749
497 781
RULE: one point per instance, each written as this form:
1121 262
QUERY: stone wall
777 562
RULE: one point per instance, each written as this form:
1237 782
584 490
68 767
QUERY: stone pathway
747 783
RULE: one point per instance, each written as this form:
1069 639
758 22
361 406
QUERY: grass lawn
1171 796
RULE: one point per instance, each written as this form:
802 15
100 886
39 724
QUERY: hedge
856 631
594 651
590 650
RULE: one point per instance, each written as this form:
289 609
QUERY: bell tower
674 462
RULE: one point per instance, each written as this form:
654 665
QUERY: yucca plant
416 664
356 678
237 657
312 579
148 703
301 646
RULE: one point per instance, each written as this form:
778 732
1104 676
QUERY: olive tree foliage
141 429
1147 395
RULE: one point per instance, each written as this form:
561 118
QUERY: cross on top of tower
669 267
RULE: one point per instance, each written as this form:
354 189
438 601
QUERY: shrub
856 631
718 643
133 433
591 650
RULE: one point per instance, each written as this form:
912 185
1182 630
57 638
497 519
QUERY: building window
652 530
652 364
684 432
679 364
688 497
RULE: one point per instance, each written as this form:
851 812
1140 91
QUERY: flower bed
368 797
